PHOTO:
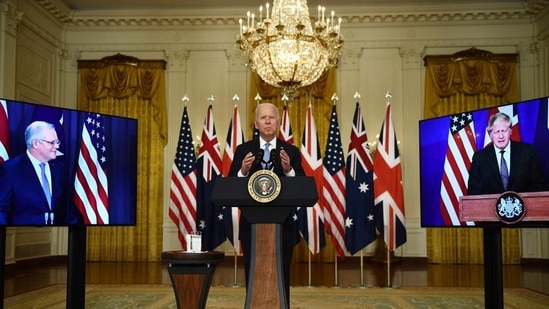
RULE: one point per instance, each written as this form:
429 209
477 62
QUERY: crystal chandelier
281 46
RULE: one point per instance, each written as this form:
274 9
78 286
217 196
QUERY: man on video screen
34 184
505 165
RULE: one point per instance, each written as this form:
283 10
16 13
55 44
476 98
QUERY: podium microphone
259 156
275 156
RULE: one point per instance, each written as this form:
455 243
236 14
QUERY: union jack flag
235 137
183 188
388 192
285 132
311 219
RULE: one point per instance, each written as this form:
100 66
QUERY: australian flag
360 229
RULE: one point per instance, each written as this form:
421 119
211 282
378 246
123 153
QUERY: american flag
285 132
235 137
210 221
311 219
182 208
91 194
360 224
333 186
388 193
461 147
4 132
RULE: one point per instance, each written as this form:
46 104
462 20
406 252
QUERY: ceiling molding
58 9
389 18
456 13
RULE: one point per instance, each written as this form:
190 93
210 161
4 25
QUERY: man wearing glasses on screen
33 185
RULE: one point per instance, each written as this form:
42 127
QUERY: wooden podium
481 209
265 287
191 275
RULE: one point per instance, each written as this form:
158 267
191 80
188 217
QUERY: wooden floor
532 275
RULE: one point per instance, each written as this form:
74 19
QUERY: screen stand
76 272
493 267
3 261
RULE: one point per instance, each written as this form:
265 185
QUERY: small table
191 274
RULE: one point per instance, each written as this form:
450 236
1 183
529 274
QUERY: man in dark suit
33 184
267 122
504 165
524 172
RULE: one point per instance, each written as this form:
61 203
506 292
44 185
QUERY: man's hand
285 161
247 163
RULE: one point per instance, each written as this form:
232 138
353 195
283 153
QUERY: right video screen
447 145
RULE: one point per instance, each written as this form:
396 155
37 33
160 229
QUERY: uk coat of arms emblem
510 208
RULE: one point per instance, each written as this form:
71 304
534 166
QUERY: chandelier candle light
282 48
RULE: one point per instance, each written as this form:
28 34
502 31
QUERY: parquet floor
531 275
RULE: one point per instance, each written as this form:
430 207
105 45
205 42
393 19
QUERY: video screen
89 175
447 145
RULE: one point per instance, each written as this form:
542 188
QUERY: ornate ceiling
109 5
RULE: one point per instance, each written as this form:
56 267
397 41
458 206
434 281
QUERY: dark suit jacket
22 200
526 174
289 227
253 146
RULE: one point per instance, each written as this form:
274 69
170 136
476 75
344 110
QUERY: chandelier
281 46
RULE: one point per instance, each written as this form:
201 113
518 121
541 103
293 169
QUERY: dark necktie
45 183
504 171
266 155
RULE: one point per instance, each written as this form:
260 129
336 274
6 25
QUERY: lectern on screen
442 156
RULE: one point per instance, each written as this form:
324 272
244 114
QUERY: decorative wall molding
177 59
362 15
36 71
13 16
412 56
536 6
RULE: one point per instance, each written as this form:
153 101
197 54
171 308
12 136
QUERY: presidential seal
264 186
510 208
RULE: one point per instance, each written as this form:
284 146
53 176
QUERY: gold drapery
319 95
464 81
125 86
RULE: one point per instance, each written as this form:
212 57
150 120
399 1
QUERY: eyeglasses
52 143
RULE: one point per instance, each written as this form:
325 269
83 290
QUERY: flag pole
336 281
309 263
388 267
235 283
362 268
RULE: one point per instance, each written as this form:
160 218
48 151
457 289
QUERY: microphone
275 156
259 156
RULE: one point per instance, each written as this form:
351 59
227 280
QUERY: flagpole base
380 255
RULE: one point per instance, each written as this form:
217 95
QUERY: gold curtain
468 80
125 86
319 95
